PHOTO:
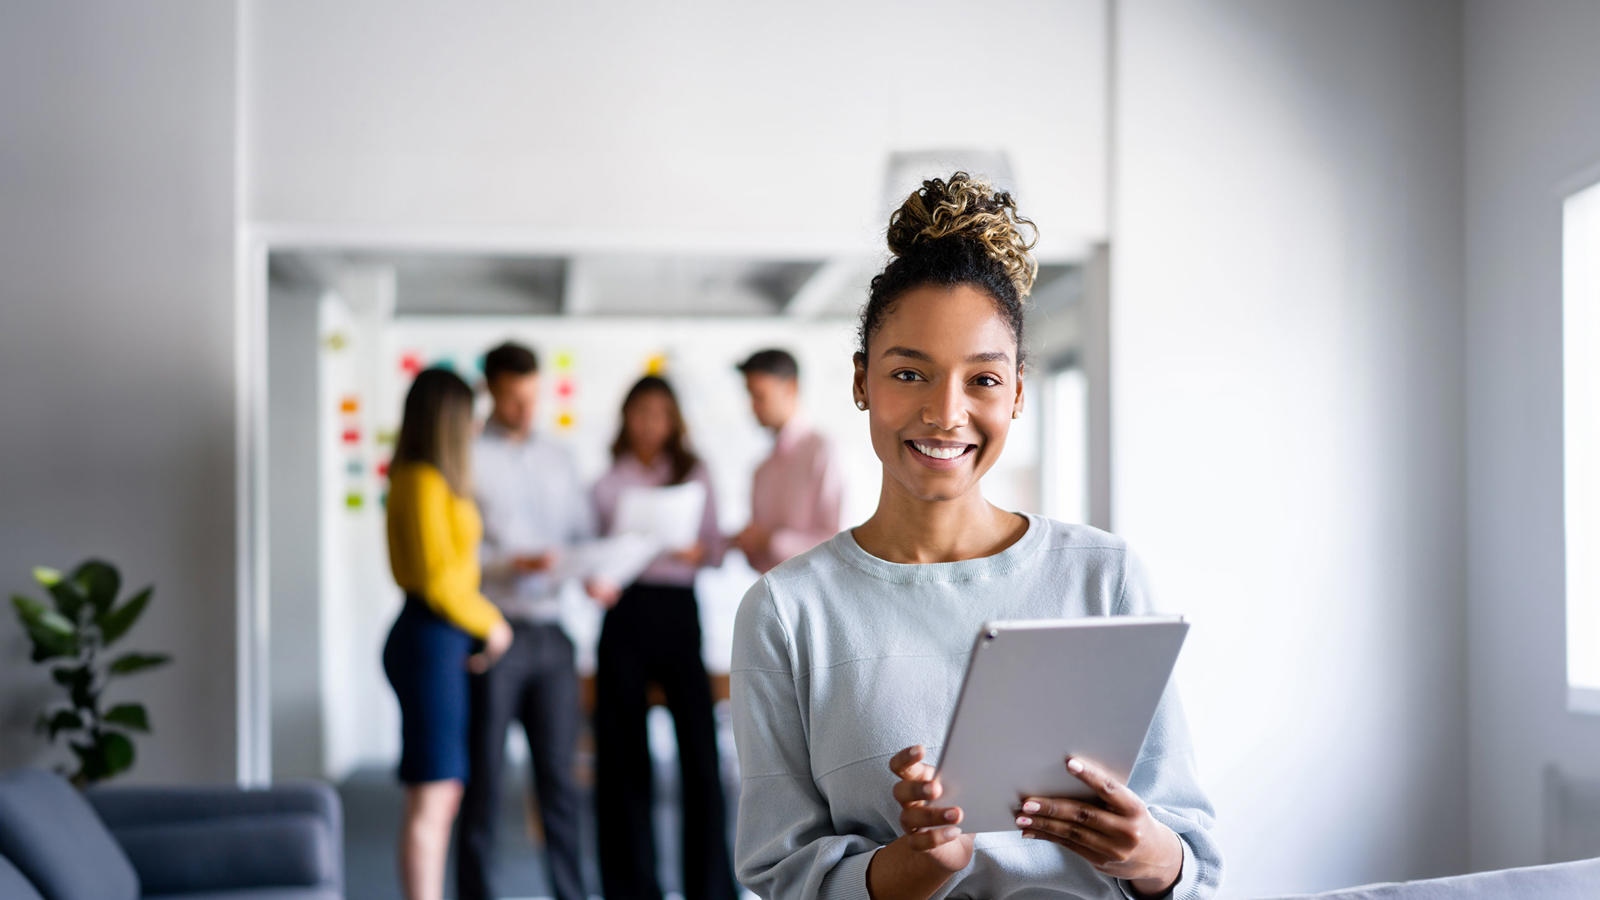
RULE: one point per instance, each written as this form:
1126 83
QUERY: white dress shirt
532 501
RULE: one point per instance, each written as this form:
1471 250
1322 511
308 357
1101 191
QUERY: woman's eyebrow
910 353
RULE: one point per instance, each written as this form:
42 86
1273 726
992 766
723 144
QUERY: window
1581 398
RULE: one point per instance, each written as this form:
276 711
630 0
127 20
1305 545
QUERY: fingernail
949 815
1074 766
1027 835
950 833
1030 806
1023 821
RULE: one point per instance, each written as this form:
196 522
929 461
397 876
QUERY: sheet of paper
619 559
670 515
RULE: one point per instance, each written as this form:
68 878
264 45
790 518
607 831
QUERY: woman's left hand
692 555
1117 835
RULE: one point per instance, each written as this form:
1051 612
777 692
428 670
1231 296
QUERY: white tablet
1036 692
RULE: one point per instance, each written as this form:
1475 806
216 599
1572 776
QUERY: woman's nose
947 408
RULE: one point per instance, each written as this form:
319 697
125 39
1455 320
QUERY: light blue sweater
840 659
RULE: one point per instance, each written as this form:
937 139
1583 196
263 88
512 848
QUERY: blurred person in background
797 490
534 509
652 635
446 628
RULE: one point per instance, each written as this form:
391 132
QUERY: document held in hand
668 515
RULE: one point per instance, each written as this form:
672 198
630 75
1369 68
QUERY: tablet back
1036 692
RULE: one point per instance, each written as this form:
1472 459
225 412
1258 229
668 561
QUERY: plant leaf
91 762
34 613
62 720
67 677
45 576
79 683
129 715
97 582
117 751
138 662
114 623
52 634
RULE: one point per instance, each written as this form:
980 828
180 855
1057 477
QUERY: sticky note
349 404
566 420
353 500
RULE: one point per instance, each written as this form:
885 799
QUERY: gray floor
372 807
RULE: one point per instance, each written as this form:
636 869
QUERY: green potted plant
72 635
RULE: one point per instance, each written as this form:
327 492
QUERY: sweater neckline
844 544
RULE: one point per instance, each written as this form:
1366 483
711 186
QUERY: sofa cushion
321 893
1563 881
229 853
12 885
50 833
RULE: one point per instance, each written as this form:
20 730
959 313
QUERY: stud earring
861 404
1016 414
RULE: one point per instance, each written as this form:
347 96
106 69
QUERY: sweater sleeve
447 578
1164 774
785 847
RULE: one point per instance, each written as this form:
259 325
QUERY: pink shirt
628 472
796 494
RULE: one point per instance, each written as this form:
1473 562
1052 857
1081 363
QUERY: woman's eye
904 375
986 381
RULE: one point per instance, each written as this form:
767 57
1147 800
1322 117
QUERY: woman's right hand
918 863
495 645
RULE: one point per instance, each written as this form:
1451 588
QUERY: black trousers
653 635
535 683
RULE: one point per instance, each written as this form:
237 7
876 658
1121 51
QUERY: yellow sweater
433 547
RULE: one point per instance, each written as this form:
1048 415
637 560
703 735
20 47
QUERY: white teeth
939 452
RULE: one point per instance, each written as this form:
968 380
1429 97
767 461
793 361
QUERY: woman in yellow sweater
434 532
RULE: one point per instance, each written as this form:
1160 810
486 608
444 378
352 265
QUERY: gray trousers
536 684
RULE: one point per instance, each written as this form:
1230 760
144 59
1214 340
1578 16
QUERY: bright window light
1581 391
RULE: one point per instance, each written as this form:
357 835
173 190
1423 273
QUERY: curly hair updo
956 232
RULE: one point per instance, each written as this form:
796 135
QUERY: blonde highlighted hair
436 428
951 232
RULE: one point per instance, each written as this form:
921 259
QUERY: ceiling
616 284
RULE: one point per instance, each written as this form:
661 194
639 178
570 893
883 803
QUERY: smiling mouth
934 451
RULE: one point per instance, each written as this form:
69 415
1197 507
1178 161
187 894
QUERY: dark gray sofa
193 843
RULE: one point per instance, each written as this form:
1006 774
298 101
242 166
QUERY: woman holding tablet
848 659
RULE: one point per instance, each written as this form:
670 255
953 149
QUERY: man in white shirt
534 508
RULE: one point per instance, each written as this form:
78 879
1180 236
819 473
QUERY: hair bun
968 208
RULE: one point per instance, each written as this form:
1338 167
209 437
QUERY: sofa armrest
222 838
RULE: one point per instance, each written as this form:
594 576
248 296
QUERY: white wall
116 346
708 121
294 483
1532 77
1287 413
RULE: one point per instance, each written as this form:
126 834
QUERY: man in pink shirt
795 498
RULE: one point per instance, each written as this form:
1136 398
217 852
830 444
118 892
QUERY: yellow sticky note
655 364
